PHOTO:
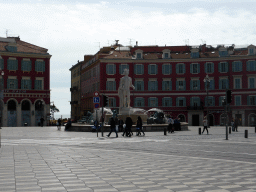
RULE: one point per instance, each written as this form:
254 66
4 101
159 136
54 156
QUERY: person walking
42 121
59 124
139 127
112 127
170 126
205 122
128 127
236 124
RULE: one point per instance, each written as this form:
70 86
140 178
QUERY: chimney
204 48
136 43
116 42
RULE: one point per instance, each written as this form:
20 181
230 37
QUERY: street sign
96 94
96 105
96 99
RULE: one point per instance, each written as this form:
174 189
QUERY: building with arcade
171 78
25 83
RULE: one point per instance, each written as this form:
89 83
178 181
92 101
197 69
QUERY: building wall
188 111
20 94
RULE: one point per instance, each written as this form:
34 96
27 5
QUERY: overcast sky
71 29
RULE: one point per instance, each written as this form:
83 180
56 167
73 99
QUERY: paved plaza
44 159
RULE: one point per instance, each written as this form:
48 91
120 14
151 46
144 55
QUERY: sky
72 29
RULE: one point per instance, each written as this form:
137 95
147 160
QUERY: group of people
234 124
117 125
173 124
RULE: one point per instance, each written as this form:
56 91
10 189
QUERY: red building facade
25 83
172 79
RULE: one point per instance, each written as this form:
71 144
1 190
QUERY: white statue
124 89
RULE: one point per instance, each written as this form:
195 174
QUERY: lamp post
1 95
207 81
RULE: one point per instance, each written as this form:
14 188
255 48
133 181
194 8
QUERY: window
139 69
122 67
194 85
223 67
167 102
2 82
1 63
26 84
139 85
180 85
223 84
40 66
251 66
152 69
251 82
111 85
166 69
211 85
180 101
237 100
251 100
195 55
236 66
166 55
12 64
111 69
223 53
221 100
237 83
195 101
139 55
139 102
152 102
111 102
194 68
26 65
38 84
211 101
12 84
166 85
152 85
180 68
209 67
251 51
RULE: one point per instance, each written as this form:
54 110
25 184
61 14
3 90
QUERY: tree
53 109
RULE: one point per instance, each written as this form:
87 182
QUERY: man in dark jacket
112 127
128 128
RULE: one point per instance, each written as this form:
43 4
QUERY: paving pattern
36 159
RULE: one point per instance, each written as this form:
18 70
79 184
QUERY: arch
11 105
11 112
182 117
12 99
252 119
211 120
25 105
26 99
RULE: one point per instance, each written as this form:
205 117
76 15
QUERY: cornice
21 54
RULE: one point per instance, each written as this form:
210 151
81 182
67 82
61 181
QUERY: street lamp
207 81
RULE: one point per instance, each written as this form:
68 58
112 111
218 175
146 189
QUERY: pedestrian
112 127
233 124
170 124
176 124
205 122
59 124
42 121
139 127
236 124
120 125
128 127
116 123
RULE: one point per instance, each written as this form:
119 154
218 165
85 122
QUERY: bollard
165 130
245 133
229 130
199 130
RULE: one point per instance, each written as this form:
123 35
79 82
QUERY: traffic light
229 96
105 100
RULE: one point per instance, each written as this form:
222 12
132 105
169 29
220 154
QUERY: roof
22 46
